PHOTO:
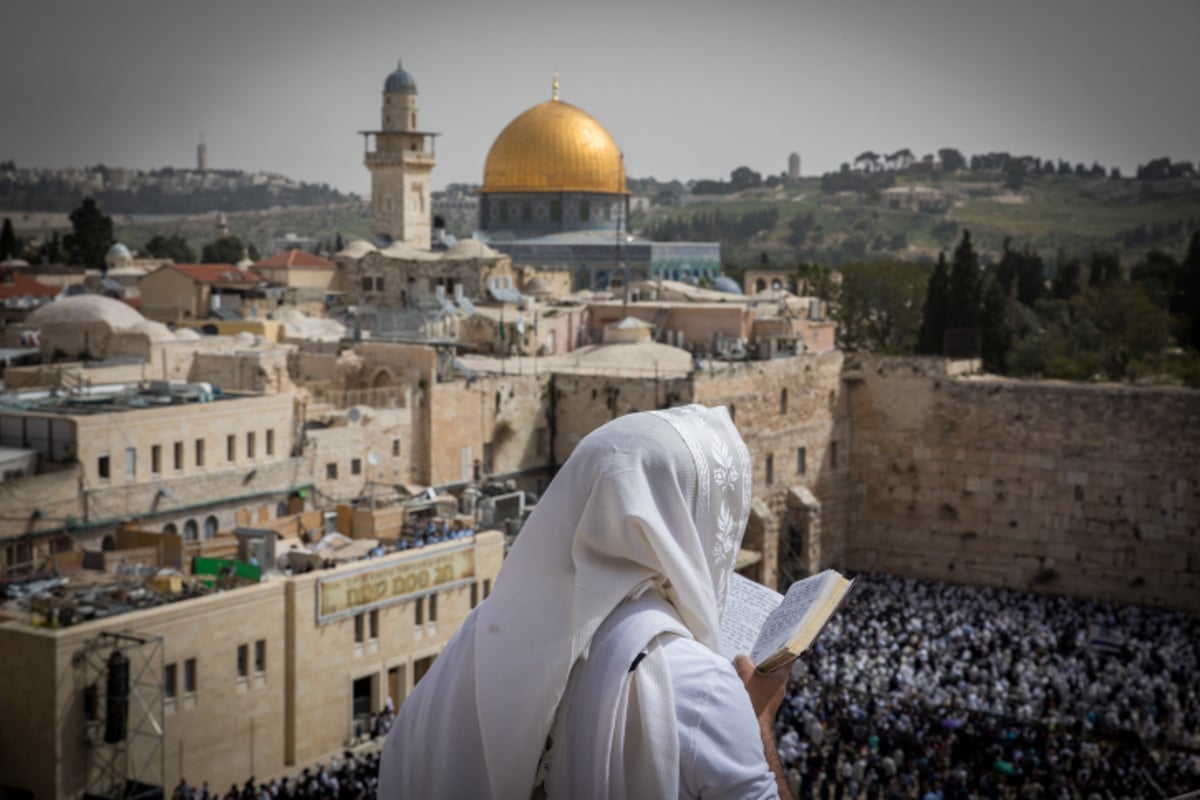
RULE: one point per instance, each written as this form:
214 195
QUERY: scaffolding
119 677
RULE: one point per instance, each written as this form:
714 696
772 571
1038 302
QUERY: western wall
1078 489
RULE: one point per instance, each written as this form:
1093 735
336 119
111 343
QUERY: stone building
253 681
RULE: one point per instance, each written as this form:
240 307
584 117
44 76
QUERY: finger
744 667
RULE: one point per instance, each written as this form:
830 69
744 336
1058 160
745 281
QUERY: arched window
211 525
171 528
108 544
190 531
281 510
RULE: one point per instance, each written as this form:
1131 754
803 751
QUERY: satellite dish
354 415
373 458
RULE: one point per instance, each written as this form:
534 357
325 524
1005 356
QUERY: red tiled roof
295 258
24 286
217 273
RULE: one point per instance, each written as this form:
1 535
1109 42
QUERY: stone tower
794 167
400 157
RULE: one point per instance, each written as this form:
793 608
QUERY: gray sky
688 89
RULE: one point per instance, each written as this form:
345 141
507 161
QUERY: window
270 443
189 676
487 587
230 448
130 462
358 627
372 283
102 467
178 455
833 455
170 687
783 401
331 471
210 526
260 655
170 528
191 531
585 210
770 468
356 466
420 610
433 607
243 660
395 447
474 594
156 459
732 412
250 445
801 461
199 452
373 624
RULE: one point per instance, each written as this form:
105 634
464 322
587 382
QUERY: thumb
743 666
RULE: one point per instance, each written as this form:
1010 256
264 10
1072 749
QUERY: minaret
201 155
401 166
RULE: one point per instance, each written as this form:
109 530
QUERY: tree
879 305
966 291
1103 269
226 250
174 247
91 236
935 311
1188 293
339 244
1066 283
744 178
8 241
952 160
994 334
868 161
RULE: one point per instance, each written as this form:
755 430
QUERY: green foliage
174 247
935 312
966 289
8 241
878 306
91 236
226 250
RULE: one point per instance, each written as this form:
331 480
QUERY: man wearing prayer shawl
592 670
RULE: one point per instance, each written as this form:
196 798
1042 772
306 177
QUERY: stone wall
1077 489
783 407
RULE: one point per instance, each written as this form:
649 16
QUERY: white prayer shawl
649 503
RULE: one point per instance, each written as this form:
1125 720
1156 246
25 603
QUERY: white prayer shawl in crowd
649 505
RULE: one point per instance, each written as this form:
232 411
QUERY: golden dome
554 147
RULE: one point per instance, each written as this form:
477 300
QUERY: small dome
726 284
471 248
400 81
357 249
86 308
118 250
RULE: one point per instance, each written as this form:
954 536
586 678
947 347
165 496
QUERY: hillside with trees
898 206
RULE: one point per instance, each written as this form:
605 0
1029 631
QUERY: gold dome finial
554 85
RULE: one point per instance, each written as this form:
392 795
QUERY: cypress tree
966 289
933 315
8 241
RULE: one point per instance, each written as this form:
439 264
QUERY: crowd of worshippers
353 777
432 531
935 691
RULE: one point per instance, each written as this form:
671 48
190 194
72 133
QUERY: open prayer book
772 628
